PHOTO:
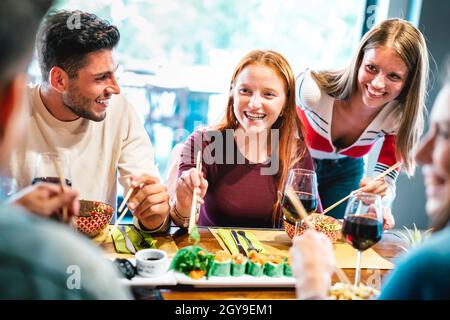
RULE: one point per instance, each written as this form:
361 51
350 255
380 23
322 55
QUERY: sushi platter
172 278
194 266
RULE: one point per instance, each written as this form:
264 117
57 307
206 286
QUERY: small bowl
94 217
333 235
151 263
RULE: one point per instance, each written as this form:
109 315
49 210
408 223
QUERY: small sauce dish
151 262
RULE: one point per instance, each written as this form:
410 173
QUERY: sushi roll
238 264
287 270
274 266
255 265
221 265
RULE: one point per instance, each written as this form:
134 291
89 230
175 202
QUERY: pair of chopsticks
198 166
298 206
122 213
395 166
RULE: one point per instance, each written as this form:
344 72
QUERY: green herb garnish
191 258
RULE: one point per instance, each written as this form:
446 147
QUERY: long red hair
291 146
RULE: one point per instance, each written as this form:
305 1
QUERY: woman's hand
379 186
388 219
186 183
312 264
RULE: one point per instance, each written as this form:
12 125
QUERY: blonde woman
379 95
247 155
423 272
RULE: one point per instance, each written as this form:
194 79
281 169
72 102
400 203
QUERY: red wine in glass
308 200
362 232
363 224
55 180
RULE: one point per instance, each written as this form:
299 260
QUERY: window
181 53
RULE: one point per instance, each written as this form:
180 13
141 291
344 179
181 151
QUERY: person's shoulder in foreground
423 273
42 259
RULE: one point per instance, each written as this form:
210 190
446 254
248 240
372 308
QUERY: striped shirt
315 110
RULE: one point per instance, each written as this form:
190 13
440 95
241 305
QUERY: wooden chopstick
395 166
298 206
121 217
117 222
62 181
301 210
342 276
336 204
124 202
198 166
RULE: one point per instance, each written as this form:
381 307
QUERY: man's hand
46 199
149 201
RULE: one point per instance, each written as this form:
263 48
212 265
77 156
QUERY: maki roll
238 265
287 270
220 265
274 266
255 265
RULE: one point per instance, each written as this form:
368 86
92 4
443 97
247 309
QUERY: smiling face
381 77
89 92
259 96
434 155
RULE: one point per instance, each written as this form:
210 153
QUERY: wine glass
303 184
45 168
363 224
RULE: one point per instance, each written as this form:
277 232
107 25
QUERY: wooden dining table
389 247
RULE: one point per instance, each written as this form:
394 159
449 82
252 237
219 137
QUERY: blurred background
176 57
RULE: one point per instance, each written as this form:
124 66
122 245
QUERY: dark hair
19 21
65 38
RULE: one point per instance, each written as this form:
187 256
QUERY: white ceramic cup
151 262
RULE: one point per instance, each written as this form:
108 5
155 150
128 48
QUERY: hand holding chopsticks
148 200
190 189
395 166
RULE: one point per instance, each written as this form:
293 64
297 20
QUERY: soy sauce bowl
151 263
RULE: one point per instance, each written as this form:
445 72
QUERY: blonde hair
410 45
291 145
